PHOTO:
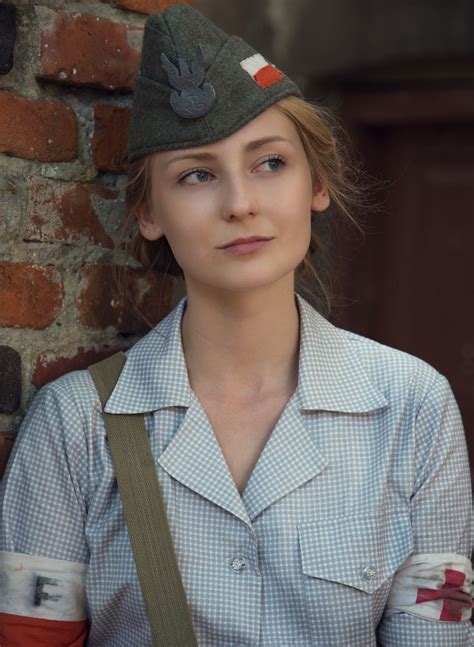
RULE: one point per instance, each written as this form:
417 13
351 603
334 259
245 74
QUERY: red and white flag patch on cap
263 72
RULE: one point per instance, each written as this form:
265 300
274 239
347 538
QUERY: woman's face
256 182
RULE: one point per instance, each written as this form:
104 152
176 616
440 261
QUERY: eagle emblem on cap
196 95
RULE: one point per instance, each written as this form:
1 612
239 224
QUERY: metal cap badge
197 95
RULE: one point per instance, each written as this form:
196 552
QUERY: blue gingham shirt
366 466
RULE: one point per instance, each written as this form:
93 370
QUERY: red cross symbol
453 598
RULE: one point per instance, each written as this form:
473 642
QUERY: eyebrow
251 146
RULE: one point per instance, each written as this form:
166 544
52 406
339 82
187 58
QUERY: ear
321 199
147 223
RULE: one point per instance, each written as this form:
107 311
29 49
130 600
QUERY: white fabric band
41 587
435 586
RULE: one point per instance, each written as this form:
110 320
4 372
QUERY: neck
242 346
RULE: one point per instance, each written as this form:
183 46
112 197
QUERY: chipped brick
110 139
51 135
49 367
32 295
64 212
101 304
87 50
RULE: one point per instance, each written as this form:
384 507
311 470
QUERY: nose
240 199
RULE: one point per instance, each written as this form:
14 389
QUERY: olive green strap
147 524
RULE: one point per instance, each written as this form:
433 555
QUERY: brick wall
66 85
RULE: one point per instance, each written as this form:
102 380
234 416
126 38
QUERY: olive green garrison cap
197 85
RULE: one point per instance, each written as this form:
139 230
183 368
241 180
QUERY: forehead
269 124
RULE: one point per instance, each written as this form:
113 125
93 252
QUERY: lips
240 241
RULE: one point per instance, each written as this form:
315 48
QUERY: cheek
294 194
180 219
299 229
293 207
187 238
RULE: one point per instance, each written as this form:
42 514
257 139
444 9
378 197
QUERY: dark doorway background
410 283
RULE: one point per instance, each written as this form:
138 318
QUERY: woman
316 483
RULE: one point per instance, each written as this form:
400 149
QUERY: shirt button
369 573
237 564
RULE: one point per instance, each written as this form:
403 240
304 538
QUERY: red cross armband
434 586
42 601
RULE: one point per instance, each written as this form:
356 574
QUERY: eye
275 162
199 176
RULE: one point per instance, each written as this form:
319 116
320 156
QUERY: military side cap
196 84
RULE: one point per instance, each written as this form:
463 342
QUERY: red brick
101 305
64 212
32 296
49 368
86 50
146 6
110 139
37 129
7 438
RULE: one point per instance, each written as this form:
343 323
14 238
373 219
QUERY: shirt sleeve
430 600
43 550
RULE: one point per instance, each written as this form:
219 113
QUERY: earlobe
320 200
148 226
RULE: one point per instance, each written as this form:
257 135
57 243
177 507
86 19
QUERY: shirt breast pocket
348 564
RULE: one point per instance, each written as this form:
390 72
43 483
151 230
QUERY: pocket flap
361 551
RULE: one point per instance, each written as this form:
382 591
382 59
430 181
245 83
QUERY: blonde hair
332 164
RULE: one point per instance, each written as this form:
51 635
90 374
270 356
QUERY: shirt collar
331 372
332 375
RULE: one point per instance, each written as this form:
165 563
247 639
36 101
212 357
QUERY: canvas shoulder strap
145 516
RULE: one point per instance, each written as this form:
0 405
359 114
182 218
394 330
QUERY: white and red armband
42 601
434 586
